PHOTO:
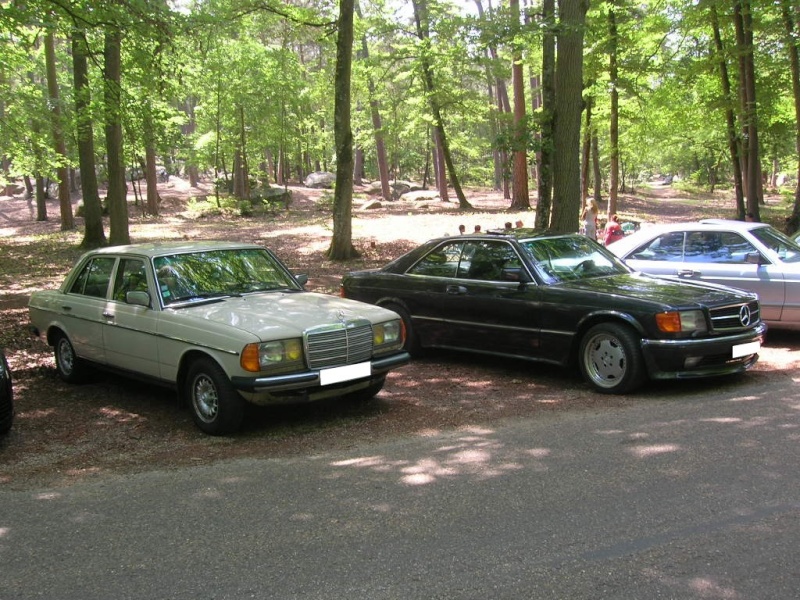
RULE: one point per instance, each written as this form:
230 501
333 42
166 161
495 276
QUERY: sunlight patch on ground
654 450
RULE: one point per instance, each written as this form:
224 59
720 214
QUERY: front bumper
307 385
707 357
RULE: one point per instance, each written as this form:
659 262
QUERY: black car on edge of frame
559 299
6 395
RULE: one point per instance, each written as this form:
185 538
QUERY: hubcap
605 360
205 399
66 359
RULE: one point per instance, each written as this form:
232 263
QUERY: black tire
70 368
412 344
611 359
217 408
368 393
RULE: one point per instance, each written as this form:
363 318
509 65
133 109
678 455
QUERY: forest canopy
552 102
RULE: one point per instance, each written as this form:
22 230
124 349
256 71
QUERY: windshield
572 258
219 273
786 249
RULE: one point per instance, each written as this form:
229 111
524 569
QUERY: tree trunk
734 144
793 223
544 204
94 236
613 132
567 122
341 247
421 19
60 146
744 42
116 197
520 198
377 124
598 176
586 152
151 177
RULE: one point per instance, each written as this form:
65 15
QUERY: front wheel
611 359
217 408
70 368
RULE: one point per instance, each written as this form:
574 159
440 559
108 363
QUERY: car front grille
340 344
729 318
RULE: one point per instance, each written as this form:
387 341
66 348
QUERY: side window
131 277
666 247
442 261
719 247
487 259
94 278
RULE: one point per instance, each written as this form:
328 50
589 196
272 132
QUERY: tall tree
423 33
544 204
520 200
341 247
613 130
567 121
743 20
116 197
94 236
734 143
792 24
54 101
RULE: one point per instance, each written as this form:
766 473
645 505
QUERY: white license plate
345 373
746 349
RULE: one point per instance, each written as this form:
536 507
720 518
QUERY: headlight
388 335
279 355
685 321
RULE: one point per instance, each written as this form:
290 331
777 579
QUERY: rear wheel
70 368
217 408
611 360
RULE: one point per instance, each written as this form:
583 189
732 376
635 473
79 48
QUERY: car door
81 309
489 309
129 332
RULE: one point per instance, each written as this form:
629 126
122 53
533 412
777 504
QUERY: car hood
279 314
660 290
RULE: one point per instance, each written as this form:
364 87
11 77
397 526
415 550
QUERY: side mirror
302 279
138 298
753 258
514 274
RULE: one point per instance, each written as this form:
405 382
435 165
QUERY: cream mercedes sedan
222 323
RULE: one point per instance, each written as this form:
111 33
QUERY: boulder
320 180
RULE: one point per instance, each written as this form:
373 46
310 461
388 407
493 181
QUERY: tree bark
744 39
116 197
341 247
60 146
793 223
567 122
94 236
520 198
613 132
544 204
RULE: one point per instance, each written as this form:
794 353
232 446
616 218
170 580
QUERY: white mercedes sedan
222 323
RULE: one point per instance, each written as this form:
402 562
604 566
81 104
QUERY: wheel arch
187 359
596 318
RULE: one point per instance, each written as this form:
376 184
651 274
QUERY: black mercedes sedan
6 395
563 299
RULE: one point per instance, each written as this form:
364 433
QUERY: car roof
153 249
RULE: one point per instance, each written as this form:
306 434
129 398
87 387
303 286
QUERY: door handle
456 289
687 273
109 316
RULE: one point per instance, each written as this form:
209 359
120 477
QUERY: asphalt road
690 497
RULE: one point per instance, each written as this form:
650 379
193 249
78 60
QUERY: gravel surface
64 433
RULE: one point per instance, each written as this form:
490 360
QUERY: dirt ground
66 433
